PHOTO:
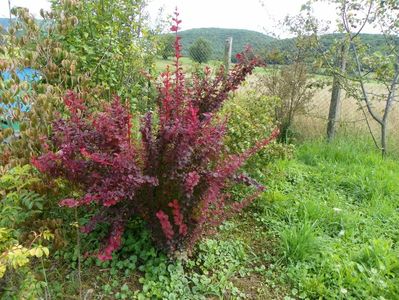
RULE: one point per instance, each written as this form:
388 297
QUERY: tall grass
334 209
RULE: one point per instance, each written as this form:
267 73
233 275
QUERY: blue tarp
27 74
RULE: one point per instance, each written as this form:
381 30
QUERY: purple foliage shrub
174 178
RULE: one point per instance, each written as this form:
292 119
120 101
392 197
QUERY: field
188 64
313 123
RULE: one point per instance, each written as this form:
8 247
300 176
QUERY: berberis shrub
174 177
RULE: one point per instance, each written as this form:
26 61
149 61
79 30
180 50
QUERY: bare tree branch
363 88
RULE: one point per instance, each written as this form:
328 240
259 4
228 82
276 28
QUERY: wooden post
227 54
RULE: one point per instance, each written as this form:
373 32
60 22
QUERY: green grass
187 63
334 211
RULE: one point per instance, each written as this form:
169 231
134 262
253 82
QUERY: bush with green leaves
113 43
294 87
19 244
201 51
98 48
250 116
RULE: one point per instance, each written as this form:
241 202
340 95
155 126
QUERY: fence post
227 54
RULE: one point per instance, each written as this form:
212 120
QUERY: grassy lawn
188 64
334 211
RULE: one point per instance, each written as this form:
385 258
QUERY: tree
385 16
308 29
273 56
352 64
166 47
201 50
335 102
295 89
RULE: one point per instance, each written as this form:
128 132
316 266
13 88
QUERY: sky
258 15
33 5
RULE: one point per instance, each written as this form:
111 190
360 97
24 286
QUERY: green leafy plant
18 207
99 48
140 271
112 42
251 118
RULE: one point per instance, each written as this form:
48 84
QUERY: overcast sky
259 15
33 5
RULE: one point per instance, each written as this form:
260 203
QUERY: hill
373 42
217 37
262 43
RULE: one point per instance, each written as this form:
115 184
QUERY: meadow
334 211
187 63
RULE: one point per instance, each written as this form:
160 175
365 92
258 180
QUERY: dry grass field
312 124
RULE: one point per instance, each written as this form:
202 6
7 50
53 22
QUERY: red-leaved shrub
174 178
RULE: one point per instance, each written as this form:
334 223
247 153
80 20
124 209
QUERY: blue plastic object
6 119
26 74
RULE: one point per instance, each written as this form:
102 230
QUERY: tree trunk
384 139
335 103
388 108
